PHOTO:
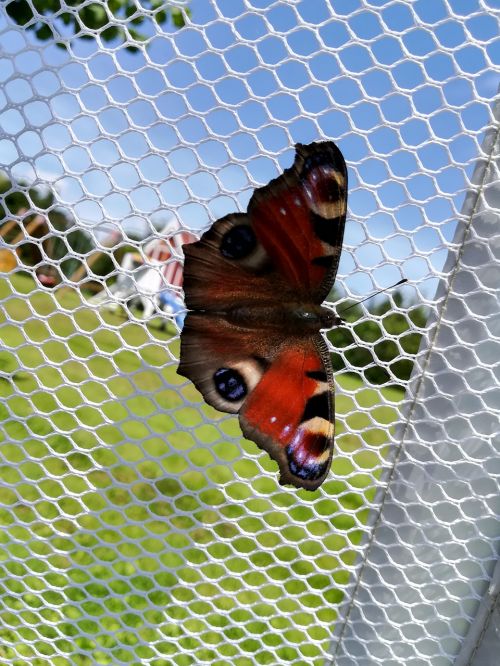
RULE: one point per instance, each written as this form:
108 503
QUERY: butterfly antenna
372 295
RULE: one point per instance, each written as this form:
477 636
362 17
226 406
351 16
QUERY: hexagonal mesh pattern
137 526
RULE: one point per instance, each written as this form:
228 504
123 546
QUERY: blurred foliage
19 196
55 239
84 18
58 247
373 347
50 245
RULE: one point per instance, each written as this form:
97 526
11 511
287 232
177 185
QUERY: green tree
83 19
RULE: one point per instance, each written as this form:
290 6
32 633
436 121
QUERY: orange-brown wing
288 243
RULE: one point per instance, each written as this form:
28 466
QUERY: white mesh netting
136 526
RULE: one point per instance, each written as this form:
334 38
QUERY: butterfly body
254 285
296 318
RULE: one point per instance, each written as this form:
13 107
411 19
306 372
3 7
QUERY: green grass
131 528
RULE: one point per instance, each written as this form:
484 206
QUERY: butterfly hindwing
290 413
223 360
281 388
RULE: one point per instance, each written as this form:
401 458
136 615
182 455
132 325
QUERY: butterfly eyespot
238 242
305 467
230 384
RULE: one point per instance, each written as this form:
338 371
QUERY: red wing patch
300 216
290 415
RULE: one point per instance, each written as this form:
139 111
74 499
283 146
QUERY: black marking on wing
263 362
325 154
325 260
238 242
319 375
230 384
328 229
317 406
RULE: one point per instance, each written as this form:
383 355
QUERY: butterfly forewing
300 216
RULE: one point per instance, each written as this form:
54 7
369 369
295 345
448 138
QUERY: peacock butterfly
254 284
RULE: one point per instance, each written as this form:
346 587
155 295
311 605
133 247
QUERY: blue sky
193 121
